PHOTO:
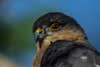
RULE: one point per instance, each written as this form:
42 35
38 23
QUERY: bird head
56 26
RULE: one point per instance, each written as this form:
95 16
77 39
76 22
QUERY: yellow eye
38 30
55 26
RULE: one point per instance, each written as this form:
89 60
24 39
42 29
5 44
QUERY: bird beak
39 38
38 35
38 30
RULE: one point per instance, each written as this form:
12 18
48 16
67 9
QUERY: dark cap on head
48 18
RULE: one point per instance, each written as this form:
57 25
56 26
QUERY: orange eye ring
55 26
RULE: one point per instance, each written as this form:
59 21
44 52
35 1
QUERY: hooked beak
38 35
39 38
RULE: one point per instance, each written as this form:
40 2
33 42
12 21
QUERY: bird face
56 26
40 33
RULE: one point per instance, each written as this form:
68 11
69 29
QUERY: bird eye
55 26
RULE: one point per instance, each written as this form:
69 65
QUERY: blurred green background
17 18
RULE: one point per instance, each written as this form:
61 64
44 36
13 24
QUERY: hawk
61 42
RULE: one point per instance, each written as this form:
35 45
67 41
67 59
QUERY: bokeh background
18 16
